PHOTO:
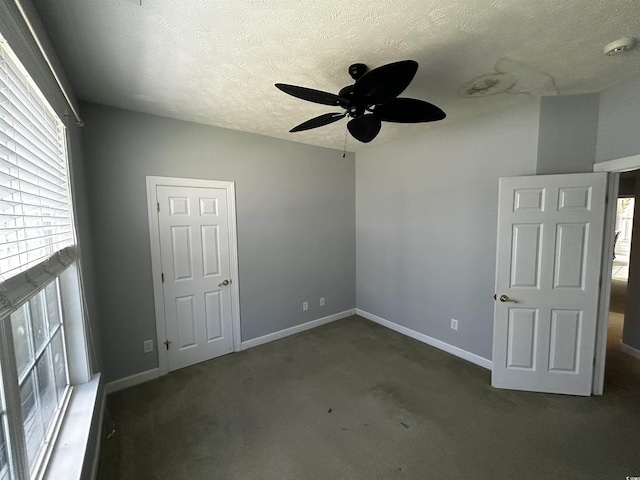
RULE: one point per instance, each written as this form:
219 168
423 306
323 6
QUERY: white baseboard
297 329
142 377
458 352
132 380
634 352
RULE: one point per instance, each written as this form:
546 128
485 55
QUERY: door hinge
162 277
167 343
158 206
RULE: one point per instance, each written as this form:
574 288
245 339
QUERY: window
41 364
36 247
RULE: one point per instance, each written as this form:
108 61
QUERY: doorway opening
621 366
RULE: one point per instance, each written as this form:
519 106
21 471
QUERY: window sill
75 454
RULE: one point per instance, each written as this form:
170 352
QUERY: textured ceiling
215 62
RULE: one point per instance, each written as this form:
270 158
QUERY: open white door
550 232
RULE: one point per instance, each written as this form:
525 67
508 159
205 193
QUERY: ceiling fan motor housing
349 102
357 70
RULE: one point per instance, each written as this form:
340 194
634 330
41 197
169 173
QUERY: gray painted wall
295 221
87 254
568 130
426 222
618 132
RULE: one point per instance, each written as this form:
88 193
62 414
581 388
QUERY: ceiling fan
372 99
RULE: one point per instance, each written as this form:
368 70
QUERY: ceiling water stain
487 84
511 77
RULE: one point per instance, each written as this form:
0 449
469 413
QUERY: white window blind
35 208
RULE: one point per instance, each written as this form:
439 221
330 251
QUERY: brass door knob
505 298
224 283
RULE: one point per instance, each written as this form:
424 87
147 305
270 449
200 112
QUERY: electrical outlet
454 324
305 306
322 301
148 346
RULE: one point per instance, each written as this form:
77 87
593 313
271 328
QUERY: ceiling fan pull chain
344 152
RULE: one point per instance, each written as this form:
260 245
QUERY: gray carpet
353 400
620 366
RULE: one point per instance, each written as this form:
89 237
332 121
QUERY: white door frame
614 168
156 264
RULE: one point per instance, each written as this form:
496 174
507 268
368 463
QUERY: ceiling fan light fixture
619 46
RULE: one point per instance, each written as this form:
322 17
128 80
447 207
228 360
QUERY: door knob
505 298
224 283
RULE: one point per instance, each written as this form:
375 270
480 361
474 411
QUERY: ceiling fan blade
309 94
320 121
408 110
385 83
364 128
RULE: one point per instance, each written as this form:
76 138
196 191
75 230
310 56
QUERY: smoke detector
619 46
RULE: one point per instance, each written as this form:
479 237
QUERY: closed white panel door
550 231
194 248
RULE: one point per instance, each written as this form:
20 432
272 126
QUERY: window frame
76 342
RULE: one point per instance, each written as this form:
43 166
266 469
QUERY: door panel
528 199
194 245
208 206
522 338
214 315
526 255
178 206
570 259
185 316
566 329
211 250
181 253
550 232
575 198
